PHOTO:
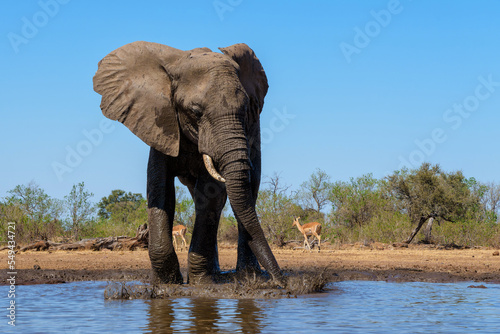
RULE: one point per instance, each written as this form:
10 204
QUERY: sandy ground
352 262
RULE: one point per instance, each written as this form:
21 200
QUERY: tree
492 200
117 200
40 218
121 213
184 209
315 193
276 210
10 213
354 203
428 192
228 226
81 210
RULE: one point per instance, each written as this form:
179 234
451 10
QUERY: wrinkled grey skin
184 104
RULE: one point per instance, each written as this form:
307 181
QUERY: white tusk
209 165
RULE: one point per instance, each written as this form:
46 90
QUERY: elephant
199 111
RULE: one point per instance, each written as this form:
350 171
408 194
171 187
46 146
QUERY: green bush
467 233
386 228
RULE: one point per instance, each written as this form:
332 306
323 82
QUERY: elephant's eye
196 110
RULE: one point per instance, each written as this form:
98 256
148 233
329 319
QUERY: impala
308 230
179 231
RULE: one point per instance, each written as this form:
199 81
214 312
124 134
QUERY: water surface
350 307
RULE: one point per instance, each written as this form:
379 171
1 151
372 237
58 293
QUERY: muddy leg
161 207
203 259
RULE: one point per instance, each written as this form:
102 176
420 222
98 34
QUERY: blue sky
356 87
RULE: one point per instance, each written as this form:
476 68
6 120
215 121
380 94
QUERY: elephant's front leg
161 208
209 198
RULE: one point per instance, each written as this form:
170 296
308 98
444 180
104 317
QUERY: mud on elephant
199 112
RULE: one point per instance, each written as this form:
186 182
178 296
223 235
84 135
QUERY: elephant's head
213 100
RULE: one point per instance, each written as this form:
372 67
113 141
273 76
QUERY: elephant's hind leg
161 208
203 259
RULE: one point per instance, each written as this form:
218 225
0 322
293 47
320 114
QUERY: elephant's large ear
252 75
136 89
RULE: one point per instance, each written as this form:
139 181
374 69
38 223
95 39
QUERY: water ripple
353 307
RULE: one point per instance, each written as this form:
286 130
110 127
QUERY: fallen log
112 243
38 246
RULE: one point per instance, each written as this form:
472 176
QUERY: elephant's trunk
236 169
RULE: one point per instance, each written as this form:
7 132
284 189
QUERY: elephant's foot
250 276
249 269
201 279
200 270
160 277
255 273
165 267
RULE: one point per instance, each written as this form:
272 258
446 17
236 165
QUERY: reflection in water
204 315
250 316
354 307
161 315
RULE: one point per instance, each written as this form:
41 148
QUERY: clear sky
355 86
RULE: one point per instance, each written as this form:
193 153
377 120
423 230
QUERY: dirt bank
355 262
